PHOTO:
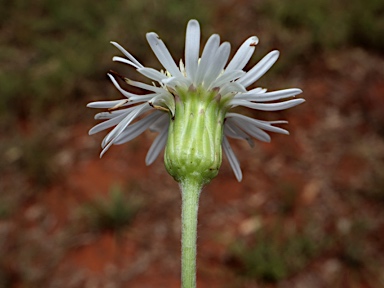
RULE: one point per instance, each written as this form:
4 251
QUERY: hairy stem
190 189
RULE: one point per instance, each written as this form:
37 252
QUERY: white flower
210 72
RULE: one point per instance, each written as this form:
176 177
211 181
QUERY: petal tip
299 91
193 22
254 40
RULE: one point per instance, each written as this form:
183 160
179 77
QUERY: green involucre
193 149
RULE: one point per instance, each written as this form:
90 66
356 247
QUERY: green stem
190 189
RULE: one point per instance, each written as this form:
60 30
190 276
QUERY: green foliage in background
275 254
48 46
114 212
326 24
50 49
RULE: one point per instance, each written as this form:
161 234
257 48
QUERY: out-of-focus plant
5 209
114 212
274 254
44 50
326 24
287 194
49 48
31 158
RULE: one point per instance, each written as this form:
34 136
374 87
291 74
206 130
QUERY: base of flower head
195 135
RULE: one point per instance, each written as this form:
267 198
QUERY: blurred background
309 211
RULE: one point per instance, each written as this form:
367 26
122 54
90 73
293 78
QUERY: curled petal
125 61
121 90
136 63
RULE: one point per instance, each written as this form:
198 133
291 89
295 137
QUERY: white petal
232 159
162 54
152 74
105 104
227 76
165 100
192 48
111 114
177 81
106 124
127 54
170 80
231 87
274 122
134 130
121 90
125 61
269 96
112 136
142 98
246 121
133 98
231 130
207 57
159 125
220 60
268 106
243 55
144 86
258 90
157 146
252 130
259 69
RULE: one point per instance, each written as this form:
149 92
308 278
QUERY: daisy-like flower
190 104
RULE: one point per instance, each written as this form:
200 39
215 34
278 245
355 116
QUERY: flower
217 81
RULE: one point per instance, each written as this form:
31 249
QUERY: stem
190 190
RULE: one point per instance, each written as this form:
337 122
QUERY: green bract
195 135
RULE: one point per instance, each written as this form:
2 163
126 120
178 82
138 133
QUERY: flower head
205 86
